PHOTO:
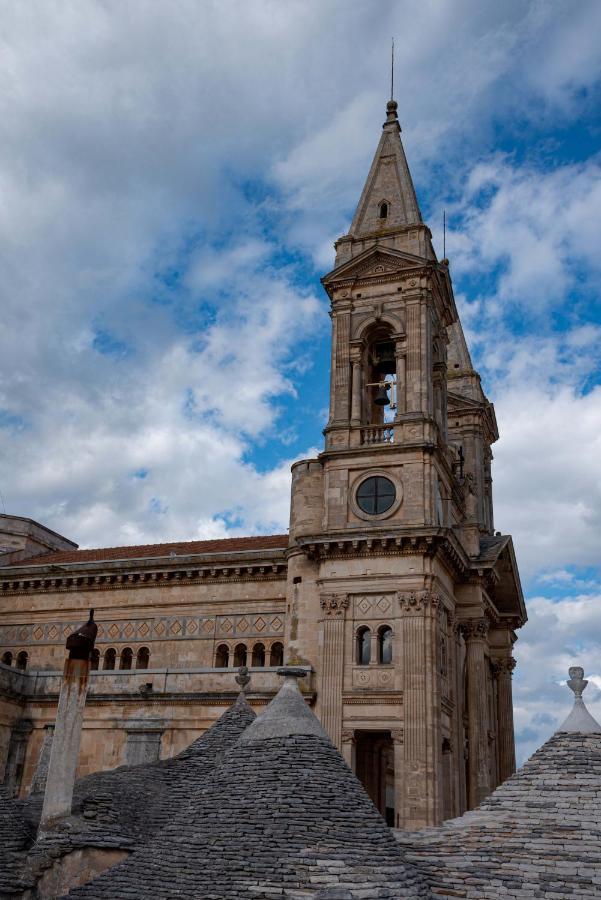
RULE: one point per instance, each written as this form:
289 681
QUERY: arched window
384 644
126 658
94 659
7 658
276 654
222 656
22 659
363 646
259 655
384 210
142 658
240 655
109 659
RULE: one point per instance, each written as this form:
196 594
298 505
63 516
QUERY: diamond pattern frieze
277 624
242 624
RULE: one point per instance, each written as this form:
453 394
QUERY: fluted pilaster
334 607
502 670
475 632
418 798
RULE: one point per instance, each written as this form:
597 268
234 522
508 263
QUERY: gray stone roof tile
537 835
283 816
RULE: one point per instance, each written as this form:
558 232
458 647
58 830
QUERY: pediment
374 262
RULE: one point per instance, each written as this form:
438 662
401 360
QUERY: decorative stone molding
398 735
414 602
348 736
474 629
334 605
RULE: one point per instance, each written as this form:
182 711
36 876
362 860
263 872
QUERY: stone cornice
126 574
386 543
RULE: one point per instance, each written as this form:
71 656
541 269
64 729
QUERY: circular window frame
375 517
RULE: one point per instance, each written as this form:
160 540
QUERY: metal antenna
444 234
392 72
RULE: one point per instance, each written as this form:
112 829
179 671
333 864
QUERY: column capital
503 666
418 602
474 629
334 605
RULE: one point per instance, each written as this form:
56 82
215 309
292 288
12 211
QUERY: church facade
391 588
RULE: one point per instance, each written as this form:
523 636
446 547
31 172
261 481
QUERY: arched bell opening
379 366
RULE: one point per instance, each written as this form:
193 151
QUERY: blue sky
173 178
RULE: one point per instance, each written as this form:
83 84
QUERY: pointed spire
388 200
580 719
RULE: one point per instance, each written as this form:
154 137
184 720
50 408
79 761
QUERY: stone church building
392 589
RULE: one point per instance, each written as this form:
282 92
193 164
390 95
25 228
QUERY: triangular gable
374 261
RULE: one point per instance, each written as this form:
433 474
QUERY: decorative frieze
151 629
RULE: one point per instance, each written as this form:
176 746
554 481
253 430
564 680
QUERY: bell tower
397 592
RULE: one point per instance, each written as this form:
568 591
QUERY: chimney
67 730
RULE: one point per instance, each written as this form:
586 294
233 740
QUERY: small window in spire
384 210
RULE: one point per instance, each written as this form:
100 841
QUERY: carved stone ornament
397 735
503 666
347 736
418 601
474 629
334 604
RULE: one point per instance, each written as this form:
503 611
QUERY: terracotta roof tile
143 551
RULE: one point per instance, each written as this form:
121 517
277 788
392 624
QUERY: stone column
398 740
401 377
418 800
475 632
356 357
334 607
502 670
69 721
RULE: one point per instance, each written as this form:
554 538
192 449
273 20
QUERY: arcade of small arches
20 659
257 656
126 659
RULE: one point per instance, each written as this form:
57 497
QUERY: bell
381 398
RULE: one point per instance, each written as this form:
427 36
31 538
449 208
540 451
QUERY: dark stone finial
243 677
291 672
81 643
391 112
577 682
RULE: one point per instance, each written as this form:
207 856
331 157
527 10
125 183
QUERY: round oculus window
375 495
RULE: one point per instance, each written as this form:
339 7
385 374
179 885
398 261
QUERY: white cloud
558 635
